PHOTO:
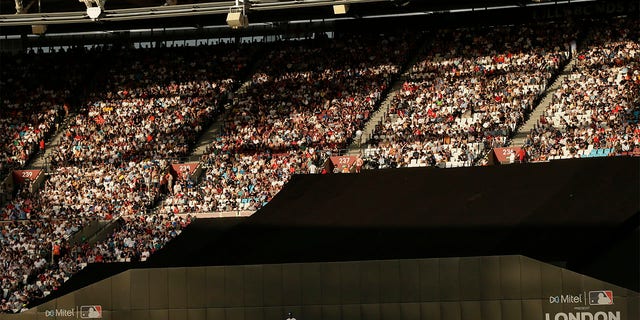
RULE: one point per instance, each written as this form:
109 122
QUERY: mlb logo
91 312
600 298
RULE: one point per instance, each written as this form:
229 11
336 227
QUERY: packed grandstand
286 108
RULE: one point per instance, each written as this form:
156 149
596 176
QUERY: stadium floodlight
19 7
95 8
237 17
340 8
94 13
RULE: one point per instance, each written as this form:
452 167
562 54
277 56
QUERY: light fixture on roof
95 8
340 8
237 17
19 7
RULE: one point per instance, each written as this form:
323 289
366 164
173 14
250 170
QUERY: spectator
32 105
311 97
596 110
469 93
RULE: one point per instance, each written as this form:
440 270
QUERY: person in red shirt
521 155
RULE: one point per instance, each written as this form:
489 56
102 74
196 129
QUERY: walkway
521 136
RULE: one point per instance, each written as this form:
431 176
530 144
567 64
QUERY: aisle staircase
42 160
215 129
376 118
380 115
201 147
520 137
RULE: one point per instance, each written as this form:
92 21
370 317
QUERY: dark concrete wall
573 212
478 288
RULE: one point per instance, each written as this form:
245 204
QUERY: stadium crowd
154 105
28 273
470 92
148 109
24 256
138 238
307 102
32 107
596 110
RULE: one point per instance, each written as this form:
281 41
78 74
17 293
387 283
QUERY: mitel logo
601 297
91 312
566 298
60 313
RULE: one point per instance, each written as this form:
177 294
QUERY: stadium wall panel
468 288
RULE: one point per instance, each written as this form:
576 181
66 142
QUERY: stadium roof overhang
72 14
